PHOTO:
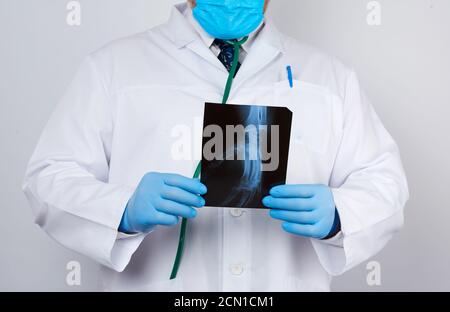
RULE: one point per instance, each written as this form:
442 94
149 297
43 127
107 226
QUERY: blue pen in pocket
289 74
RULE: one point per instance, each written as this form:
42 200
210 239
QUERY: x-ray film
245 153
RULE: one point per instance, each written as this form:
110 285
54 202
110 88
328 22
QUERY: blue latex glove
160 199
307 210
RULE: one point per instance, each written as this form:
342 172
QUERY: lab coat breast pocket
314 129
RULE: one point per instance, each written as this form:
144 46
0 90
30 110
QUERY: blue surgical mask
229 19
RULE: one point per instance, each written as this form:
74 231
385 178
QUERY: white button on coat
237 269
236 212
115 123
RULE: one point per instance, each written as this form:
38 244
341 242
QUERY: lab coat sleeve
66 181
368 183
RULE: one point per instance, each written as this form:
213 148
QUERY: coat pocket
312 108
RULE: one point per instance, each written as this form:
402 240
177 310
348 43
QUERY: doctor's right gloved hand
160 199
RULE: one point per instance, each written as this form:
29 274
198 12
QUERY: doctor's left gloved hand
307 210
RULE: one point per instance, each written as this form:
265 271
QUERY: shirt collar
208 40
182 31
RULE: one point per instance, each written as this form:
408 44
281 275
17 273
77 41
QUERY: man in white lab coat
109 145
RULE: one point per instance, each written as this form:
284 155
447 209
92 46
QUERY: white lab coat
116 122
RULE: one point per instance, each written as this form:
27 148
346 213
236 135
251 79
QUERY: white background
404 65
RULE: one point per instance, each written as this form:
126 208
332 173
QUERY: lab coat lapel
266 48
183 35
203 51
